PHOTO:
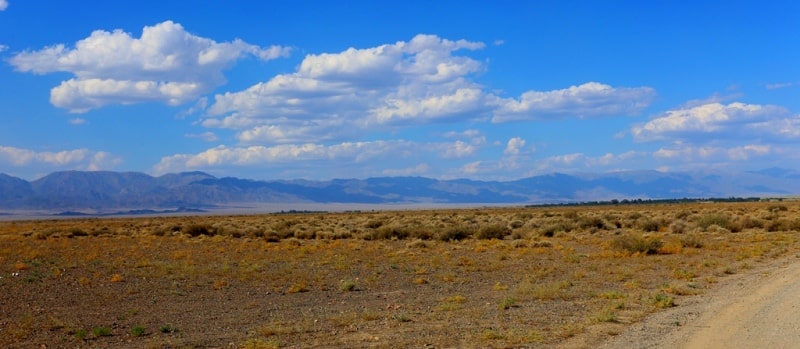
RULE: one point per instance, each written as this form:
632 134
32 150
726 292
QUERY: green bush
101 331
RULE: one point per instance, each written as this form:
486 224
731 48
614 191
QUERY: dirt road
756 309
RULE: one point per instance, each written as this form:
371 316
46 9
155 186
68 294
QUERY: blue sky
446 89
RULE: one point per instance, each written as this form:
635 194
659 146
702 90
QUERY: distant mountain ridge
105 191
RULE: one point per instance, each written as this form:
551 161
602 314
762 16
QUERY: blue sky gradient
446 89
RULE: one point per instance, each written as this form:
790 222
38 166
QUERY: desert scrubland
467 278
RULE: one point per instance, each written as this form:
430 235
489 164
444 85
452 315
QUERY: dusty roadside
754 309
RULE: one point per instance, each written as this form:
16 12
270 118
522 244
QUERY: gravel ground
756 309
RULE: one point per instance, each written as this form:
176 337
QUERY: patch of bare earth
493 278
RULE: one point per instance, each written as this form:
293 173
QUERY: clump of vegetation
347 285
138 331
591 222
649 225
455 233
494 231
719 219
195 230
101 331
662 300
692 240
679 226
507 303
167 329
638 244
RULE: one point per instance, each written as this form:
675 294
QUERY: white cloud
406 82
738 120
514 146
574 162
712 154
3 5
458 149
205 136
418 170
77 121
223 156
335 96
475 137
472 167
779 85
591 99
3 48
166 64
77 159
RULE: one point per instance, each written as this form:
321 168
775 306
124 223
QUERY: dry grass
495 277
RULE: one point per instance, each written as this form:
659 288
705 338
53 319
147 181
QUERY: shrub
748 222
638 244
374 224
722 220
494 231
386 232
455 233
138 331
662 300
649 225
348 285
195 230
101 331
591 222
691 240
552 229
679 226
777 208
516 224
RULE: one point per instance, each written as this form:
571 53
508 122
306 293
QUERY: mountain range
104 191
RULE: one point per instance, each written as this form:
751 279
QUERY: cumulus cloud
166 64
458 149
77 121
76 159
591 99
739 120
3 5
514 146
317 155
709 153
581 162
405 82
260 155
425 80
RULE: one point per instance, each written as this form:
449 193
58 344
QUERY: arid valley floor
468 278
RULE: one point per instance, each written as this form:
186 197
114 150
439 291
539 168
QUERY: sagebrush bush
195 230
649 225
591 222
493 231
692 240
638 244
679 226
719 219
455 233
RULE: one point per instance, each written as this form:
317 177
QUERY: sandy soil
756 309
